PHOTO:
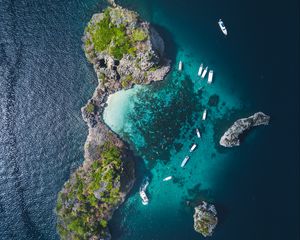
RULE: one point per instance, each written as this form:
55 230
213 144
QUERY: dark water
44 82
45 79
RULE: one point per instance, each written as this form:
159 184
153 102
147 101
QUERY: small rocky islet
124 51
232 136
205 219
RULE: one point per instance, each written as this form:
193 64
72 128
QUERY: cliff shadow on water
171 48
141 172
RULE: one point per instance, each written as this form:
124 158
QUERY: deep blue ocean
45 80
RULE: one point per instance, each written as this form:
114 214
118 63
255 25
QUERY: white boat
193 147
143 195
200 69
204 72
167 178
204 114
222 26
210 76
198 133
180 66
185 161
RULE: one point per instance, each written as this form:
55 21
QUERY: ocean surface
45 80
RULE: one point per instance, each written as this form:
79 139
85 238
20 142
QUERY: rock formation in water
124 51
232 136
205 219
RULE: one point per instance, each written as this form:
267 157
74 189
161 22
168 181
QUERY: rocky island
124 51
205 219
232 136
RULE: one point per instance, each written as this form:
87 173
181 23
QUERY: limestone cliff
124 51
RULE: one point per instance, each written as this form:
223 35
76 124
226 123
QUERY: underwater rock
213 100
232 136
205 219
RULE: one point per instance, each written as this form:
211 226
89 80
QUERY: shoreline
109 71
117 105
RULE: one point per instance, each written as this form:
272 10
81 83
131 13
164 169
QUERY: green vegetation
82 205
139 35
107 36
203 225
121 43
87 43
102 78
153 68
126 81
90 108
101 32
103 223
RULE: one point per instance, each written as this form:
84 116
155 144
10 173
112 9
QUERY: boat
180 66
143 188
144 197
210 76
184 161
167 178
198 133
222 26
204 114
200 69
193 147
204 72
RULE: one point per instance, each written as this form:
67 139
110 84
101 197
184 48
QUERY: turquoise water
160 122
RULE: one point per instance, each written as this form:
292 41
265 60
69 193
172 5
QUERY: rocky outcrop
124 51
132 54
112 2
232 136
205 219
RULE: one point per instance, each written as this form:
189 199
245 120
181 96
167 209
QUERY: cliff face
232 136
124 51
131 51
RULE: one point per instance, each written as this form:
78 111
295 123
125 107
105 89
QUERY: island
205 219
124 51
232 137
